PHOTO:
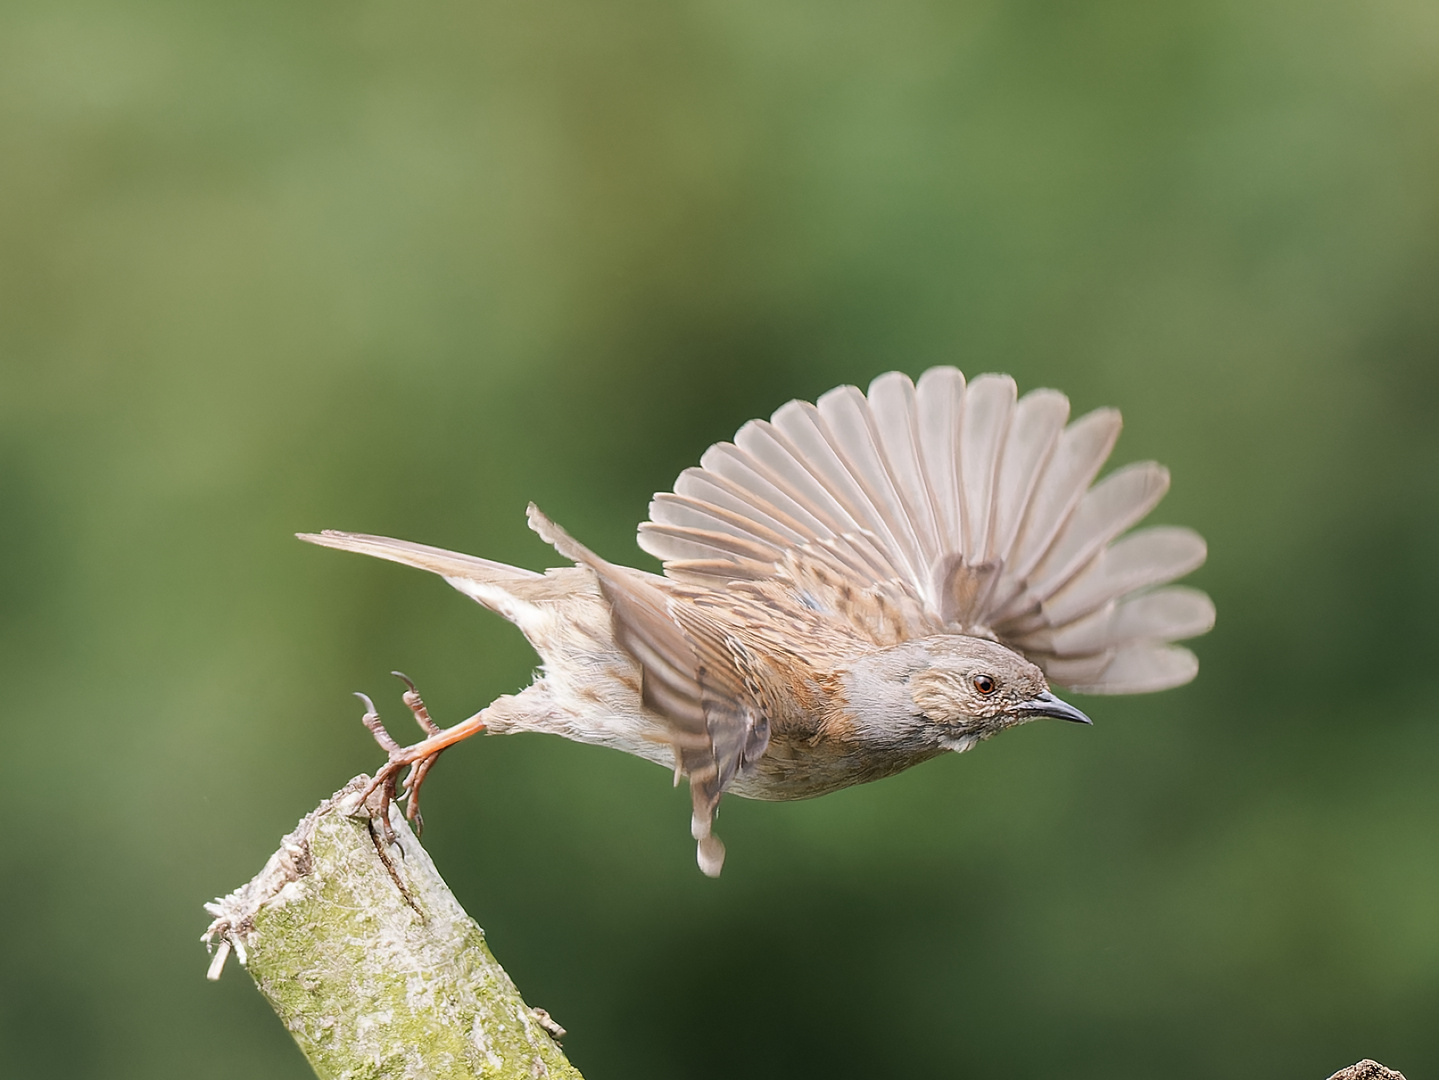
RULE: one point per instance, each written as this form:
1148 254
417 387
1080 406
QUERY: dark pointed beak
1046 704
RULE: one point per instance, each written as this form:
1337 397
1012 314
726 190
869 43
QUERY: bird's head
970 688
951 691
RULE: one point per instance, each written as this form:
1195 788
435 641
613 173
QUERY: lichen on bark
372 964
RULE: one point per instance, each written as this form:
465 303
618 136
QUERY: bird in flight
850 588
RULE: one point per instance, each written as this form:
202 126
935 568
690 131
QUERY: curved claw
412 791
371 720
416 705
419 758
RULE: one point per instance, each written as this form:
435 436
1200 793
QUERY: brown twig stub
1367 1070
549 1023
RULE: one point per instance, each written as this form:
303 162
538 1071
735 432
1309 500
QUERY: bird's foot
417 758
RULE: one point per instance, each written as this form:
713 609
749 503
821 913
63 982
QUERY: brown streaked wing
696 676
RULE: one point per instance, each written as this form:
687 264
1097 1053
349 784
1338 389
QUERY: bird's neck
880 709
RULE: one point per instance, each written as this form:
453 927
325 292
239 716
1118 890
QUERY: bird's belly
794 766
796 769
598 712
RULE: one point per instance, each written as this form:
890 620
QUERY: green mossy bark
375 969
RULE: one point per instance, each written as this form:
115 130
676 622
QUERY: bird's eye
984 684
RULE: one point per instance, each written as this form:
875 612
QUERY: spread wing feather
988 406
973 503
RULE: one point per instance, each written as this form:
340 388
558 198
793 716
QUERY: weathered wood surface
372 964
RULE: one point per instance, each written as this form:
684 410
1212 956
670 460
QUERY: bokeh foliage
279 266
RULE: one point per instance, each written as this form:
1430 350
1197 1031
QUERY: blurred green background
401 268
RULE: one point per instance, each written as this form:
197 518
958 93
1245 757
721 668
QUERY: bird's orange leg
417 758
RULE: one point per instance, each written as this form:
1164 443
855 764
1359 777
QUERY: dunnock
849 589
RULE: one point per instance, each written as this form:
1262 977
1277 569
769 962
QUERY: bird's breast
803 767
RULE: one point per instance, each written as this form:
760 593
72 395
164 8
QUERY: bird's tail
499 586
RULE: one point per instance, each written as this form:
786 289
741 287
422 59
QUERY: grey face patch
930 694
